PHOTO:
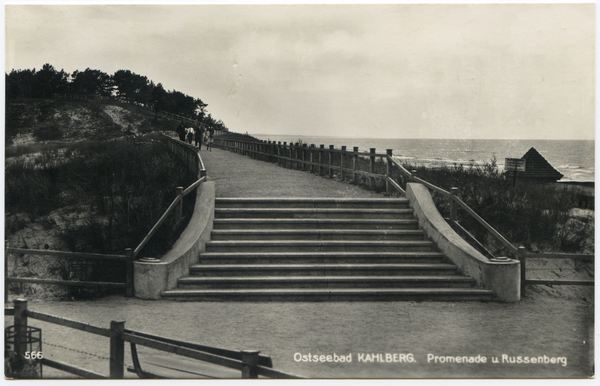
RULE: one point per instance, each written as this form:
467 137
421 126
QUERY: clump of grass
48 133
121 189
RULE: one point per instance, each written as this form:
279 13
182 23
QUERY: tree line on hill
124 86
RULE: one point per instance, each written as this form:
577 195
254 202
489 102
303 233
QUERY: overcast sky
410 71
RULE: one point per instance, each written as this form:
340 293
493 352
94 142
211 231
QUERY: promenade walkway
240 176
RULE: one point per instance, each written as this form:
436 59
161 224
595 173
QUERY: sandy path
241 176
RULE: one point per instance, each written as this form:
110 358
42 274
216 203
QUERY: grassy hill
47 120
73 183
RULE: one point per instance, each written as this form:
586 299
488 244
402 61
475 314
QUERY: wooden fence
377 166
525 256
250 363
193 162
325 162
82 96
322 161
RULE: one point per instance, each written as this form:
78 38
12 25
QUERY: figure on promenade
181 131
198 137
190 135
209 138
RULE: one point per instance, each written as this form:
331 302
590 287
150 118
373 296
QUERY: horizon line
395 138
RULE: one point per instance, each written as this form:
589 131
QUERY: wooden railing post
388 169
304 149
272 151
285 155
311 157
20 321
355 165
414 174
321 149
279 159
522 254
330 160
129 272
250 360
117 350
343 163
269 152
372 165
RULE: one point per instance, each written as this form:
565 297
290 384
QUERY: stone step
338 294
318 246
313 223
206 270
286 249
326 282
316 234
379 203
320 257
312 213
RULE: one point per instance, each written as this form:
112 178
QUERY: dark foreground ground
541 324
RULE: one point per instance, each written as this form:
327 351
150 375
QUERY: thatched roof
536 166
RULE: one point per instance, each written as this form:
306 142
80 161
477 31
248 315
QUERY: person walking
198 137
209 139
181 131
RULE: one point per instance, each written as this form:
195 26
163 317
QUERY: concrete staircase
321 249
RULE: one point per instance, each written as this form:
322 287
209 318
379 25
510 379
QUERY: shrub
531 214
115 193
48 133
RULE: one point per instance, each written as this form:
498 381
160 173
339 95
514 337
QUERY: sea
575 159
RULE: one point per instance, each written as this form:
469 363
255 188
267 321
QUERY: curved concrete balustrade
501 277
152 278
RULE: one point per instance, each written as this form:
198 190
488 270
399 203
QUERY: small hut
537 169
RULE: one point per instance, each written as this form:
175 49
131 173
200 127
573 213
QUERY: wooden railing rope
250 363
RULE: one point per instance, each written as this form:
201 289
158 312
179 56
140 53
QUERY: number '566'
33 355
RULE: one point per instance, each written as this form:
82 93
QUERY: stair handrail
455 200
194 162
